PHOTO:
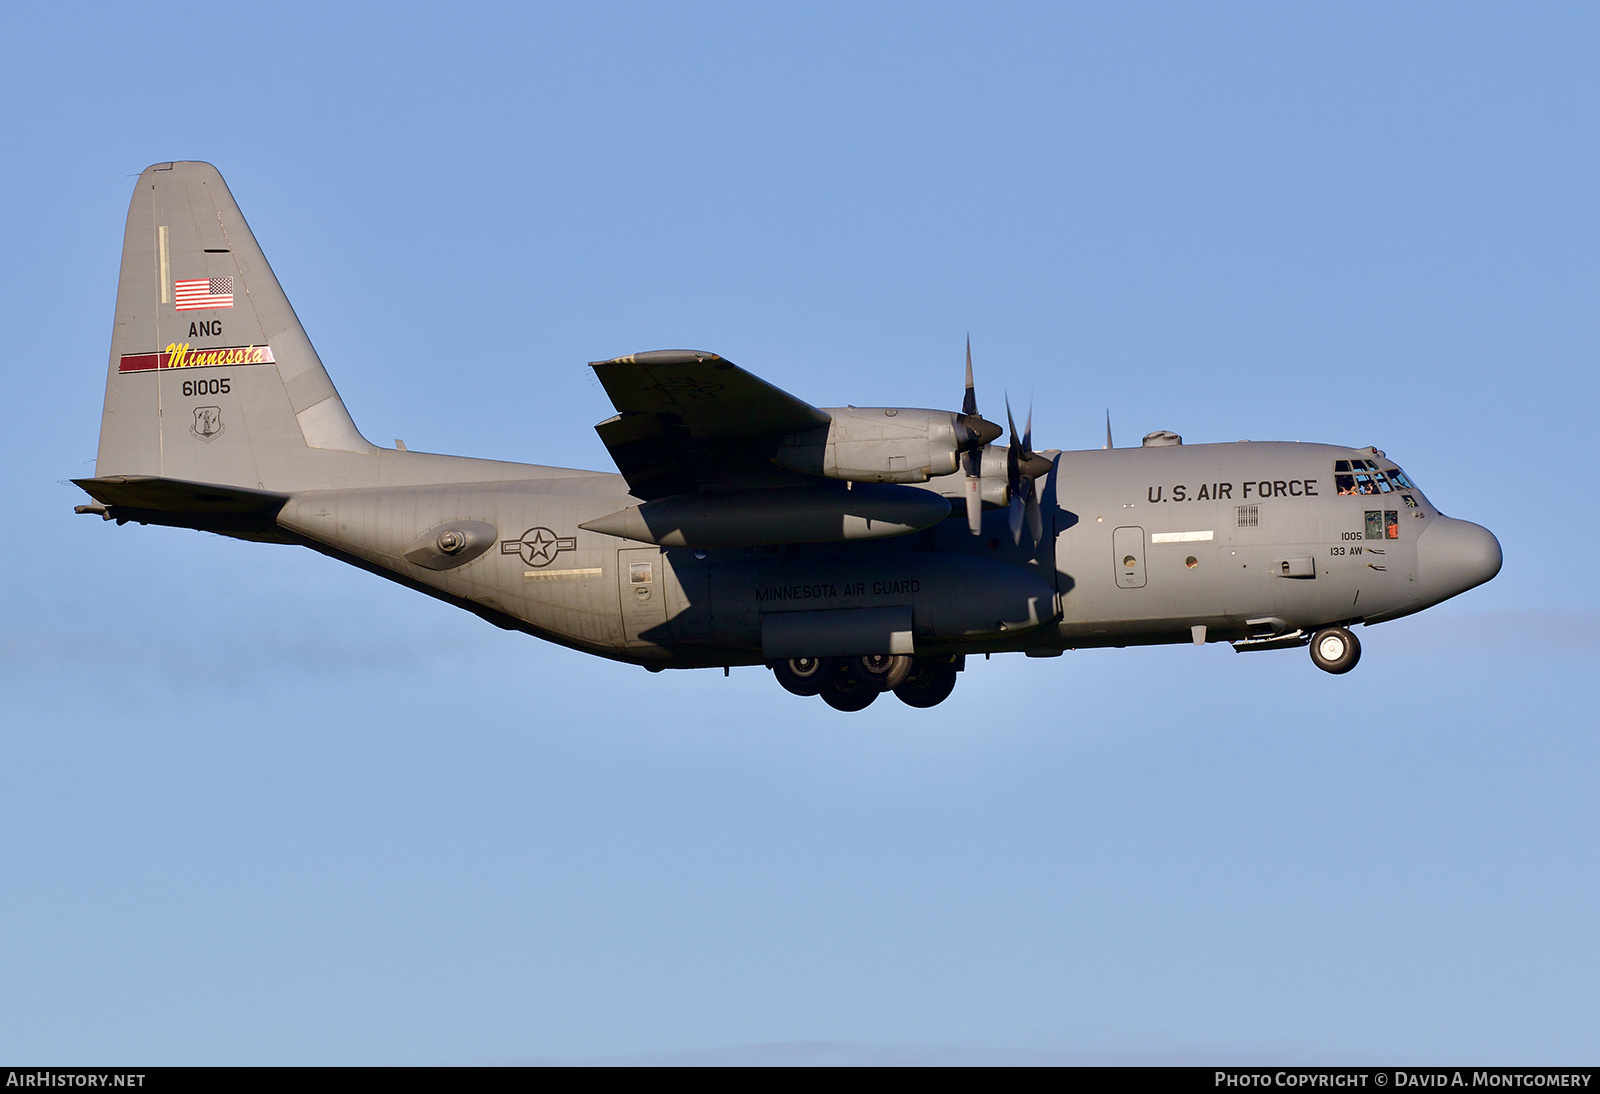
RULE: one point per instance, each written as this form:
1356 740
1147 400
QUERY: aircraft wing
688 419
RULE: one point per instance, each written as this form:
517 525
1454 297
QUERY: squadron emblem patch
207 423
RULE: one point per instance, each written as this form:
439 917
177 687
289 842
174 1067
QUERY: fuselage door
1127 547
641 585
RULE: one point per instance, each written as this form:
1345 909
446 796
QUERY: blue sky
257 807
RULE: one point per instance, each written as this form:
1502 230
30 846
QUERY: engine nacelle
877 444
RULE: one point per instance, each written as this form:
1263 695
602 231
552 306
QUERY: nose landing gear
1335 650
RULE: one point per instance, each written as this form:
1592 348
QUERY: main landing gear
852 683
1335 650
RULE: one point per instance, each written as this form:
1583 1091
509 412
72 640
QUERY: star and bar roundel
539 546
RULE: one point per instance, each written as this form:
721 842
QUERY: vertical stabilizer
211 377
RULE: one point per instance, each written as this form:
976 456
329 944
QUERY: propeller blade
1108 430
1014 479
969 404
1031 502
974 505
979 433
1035 516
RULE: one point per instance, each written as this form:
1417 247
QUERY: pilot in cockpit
1363 477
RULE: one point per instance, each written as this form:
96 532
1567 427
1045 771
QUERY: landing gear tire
1335 650
844 692
881 671
929 683
805 675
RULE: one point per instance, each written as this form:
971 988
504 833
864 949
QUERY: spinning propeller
1023 465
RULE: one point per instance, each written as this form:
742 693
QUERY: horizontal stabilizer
226 510
177 496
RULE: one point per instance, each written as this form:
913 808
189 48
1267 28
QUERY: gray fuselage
1142 545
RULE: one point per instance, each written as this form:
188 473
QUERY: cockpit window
1366 477
1383 524
1362 482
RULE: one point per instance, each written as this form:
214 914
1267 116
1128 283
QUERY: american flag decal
214 292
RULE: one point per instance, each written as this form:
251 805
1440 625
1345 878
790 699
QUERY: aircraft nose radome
1455 555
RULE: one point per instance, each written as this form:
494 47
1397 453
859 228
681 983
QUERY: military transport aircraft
853 550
